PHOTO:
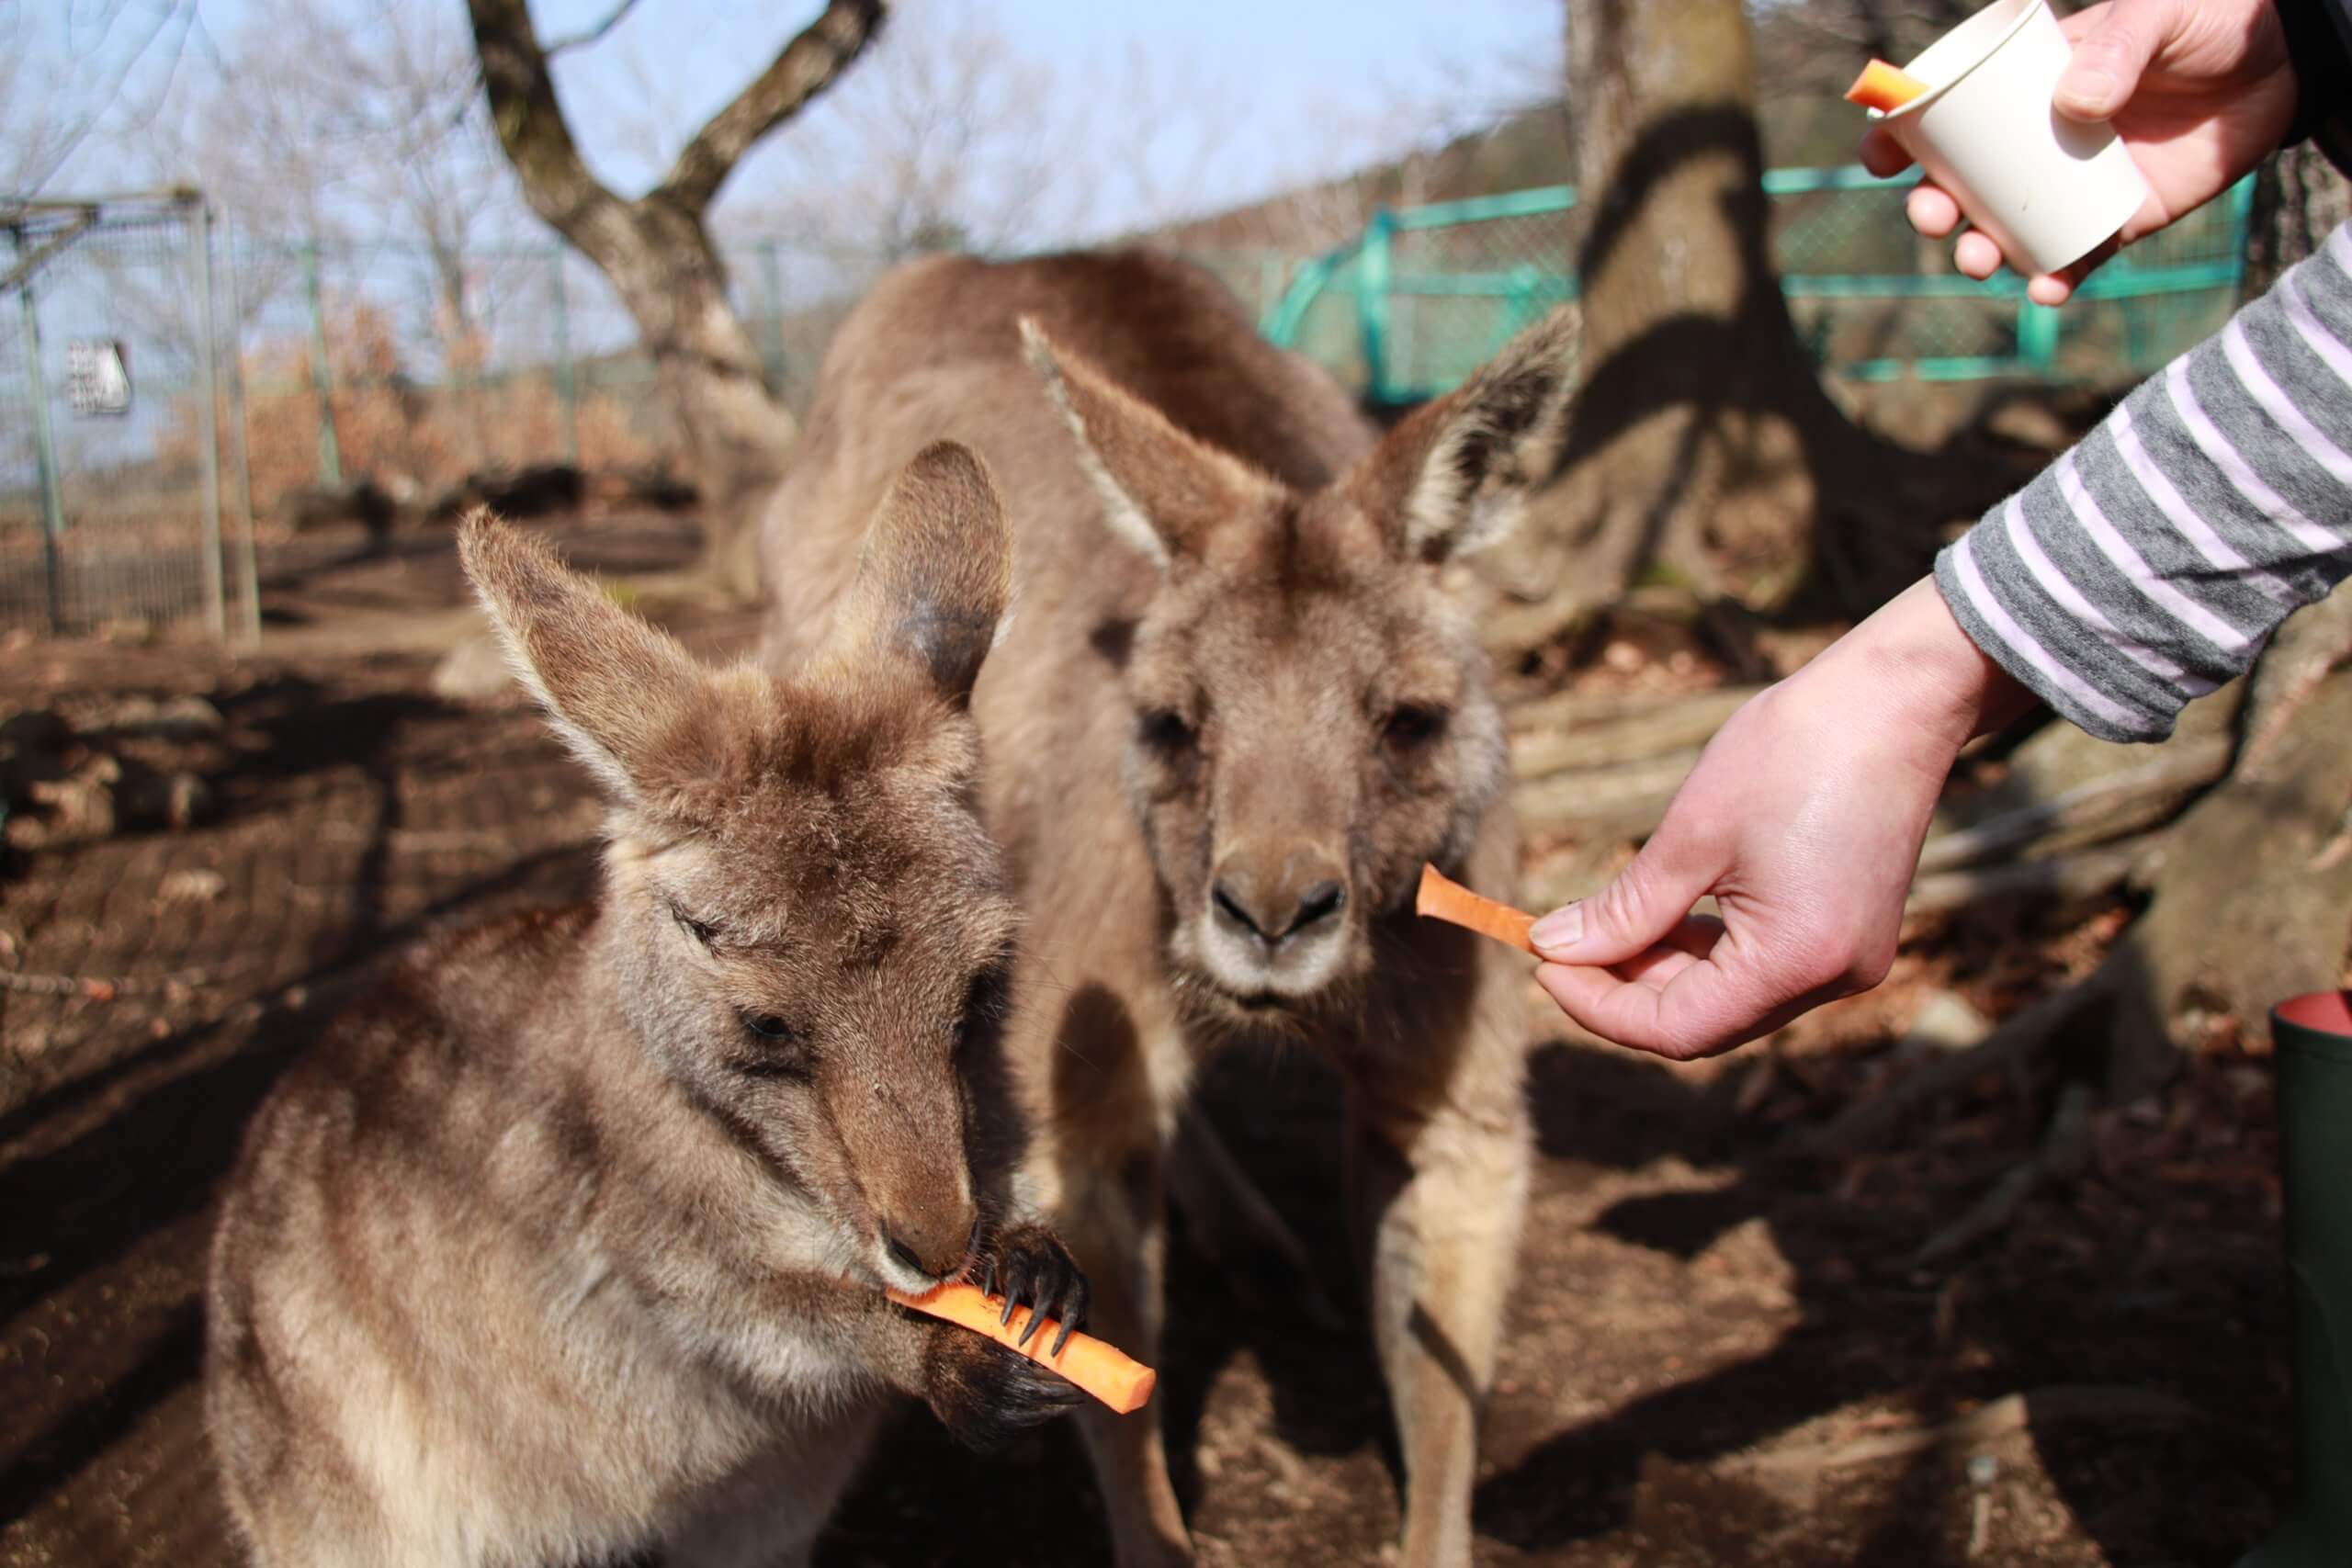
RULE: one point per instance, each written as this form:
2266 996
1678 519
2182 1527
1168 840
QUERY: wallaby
570 1242
1239 708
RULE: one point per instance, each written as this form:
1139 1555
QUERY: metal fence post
240 453
1373 275
567 386
322 373
53 497
196 222
772 286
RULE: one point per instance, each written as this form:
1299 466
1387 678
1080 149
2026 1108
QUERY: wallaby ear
1454 475
934 576
614 687
1162 492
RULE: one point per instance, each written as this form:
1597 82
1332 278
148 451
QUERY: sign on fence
98 381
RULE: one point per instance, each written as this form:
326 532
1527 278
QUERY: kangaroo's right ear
615 687
934 576
1162 491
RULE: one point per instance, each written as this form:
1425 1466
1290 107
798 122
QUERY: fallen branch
2009 1414
2118 803
2064 1147
2072 877
1625 801
1559 741
1862 1125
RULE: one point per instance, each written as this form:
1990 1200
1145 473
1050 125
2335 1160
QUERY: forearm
2150 563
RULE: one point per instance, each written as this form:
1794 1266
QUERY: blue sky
1291 89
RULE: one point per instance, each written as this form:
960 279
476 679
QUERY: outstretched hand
2199 90
1804 821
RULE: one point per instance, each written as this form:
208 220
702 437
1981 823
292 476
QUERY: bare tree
656 248
61 87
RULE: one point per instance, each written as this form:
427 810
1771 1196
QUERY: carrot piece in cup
1882 87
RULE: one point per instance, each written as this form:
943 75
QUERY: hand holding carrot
1100 1370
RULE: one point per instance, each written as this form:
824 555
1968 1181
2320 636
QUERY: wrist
1926 673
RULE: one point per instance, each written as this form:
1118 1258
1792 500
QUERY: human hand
2201 91
1804 818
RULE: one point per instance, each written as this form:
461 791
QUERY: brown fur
1223 738
569 1241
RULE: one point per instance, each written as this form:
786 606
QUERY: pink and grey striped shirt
2150 563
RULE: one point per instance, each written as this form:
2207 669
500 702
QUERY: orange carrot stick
1443 899
1103 1370
1882 87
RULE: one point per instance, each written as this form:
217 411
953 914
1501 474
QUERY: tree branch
583 39
810 65
531 127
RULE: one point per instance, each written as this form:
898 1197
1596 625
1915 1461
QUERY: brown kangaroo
1238 708
569 1243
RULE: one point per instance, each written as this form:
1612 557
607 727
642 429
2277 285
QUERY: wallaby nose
1277 899
936 1250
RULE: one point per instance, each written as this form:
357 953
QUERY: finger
2110 55
1645 902
1686 944
1881 154
1975 255
1625 1012
1933 210
2050 288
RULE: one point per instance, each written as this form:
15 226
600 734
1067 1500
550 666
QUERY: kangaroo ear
614 687
1162 492
1456 475
934 575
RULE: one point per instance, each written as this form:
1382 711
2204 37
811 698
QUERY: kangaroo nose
938 1256
1275 909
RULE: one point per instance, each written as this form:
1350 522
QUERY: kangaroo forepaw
1030 1267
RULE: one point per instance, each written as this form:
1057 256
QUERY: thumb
2110 60
1629 916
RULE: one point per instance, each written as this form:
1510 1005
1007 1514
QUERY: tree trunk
2299 198
1703 446
656 250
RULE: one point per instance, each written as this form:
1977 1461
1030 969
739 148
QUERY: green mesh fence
1426 294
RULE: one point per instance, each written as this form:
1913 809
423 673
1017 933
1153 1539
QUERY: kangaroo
1238 709
569 1243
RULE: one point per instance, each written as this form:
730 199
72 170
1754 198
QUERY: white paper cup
2050 190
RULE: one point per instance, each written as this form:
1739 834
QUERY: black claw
1036 1317
1073 1311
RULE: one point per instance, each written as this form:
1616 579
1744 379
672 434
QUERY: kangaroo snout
1293 892
934 1241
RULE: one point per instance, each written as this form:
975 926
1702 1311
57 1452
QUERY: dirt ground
1720 1354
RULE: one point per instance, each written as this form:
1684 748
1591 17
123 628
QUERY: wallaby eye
778 1051
1165 730
1413 726
767 1026
701 931
985 1001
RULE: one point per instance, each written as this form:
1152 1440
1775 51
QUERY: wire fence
1426 294
118 426
175 394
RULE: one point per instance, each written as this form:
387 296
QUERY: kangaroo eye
697 930
767 1026
1412 725
1164 729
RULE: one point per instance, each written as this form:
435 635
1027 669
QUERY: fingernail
1560 930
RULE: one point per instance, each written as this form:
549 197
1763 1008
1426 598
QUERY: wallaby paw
1030 1267
985 1394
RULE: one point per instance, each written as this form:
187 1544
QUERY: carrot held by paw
1103 1370
1882 87
1442 899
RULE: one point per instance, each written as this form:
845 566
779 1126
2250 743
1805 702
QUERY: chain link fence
1426 294
118 423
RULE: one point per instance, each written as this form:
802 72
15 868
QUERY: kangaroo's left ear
1456 475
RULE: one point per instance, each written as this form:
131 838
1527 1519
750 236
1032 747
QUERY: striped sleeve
2150 564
